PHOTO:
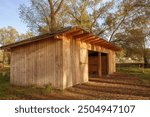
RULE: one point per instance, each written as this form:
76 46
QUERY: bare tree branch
123 19
116 28
74 17
58 9
46 17
51 6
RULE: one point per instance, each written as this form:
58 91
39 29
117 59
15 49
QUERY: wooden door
104 63
93 64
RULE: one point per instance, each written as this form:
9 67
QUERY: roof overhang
74 32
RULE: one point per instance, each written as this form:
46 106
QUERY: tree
53 14
129 27
132 41
8 35
78 14
45 15
41 15
25 36
148 55
87 14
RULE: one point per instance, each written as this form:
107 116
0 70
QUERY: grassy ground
7 91
142 74
127 83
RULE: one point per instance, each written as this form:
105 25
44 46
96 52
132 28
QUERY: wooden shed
63 59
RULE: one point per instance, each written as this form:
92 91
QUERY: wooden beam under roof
82 36
85 37
73 30
104 44
101 42
94 40
89 38
75 33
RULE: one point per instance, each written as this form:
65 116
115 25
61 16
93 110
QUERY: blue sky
9 15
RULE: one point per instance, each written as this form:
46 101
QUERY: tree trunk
3 58
53 14
145 59
53 23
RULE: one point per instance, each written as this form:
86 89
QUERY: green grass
7 91
142 74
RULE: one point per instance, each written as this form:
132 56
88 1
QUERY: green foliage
133 32
148 55
83 13
132 41
43 15
46 90
25 36
124 22
7 36
10 35
35 15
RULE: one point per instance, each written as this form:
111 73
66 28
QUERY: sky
9 15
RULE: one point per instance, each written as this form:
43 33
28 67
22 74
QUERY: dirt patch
117 86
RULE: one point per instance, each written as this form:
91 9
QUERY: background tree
89 14
46 15
123 22
25 36
132 31
10 35
42 15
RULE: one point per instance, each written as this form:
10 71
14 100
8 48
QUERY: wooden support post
99 65
3 58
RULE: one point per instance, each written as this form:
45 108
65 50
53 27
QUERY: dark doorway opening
93 63
104 64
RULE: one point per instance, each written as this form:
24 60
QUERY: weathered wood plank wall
62 63
75 61
37 63
71 63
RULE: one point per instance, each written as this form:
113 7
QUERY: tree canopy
122 22
10 35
